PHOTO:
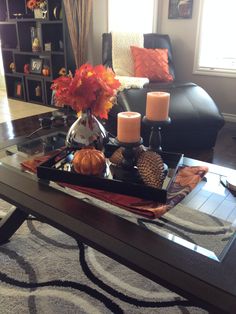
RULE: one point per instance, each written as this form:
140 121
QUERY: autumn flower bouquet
91 92
92 88
36 4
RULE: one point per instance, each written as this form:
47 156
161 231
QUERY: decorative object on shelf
35 42
48 46
92 91
39 7
18 91
46 70
12 67
61 45
180 9
151 169
57 12
27 68
38 91
89 161
18 15
62 72
36 65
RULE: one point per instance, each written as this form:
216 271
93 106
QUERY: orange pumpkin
89 161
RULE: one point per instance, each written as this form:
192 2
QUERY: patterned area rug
45 271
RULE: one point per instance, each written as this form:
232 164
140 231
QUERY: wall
183 38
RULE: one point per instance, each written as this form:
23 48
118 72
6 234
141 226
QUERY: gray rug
45 271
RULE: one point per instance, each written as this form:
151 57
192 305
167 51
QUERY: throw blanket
131 82
122 60
186 180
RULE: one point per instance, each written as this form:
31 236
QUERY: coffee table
204 274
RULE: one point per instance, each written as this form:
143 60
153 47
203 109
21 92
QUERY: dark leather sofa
195 118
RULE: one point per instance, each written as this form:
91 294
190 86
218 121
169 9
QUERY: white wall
183 37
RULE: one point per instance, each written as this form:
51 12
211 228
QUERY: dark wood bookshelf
53 51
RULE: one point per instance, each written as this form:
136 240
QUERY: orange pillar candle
157 106
128 127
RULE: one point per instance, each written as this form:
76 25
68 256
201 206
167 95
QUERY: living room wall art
180 9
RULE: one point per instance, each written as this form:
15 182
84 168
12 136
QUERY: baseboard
229 117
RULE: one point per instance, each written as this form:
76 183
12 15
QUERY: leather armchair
195 118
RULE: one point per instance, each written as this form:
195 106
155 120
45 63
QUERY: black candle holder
128 162
155 135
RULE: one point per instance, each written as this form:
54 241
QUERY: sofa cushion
151 63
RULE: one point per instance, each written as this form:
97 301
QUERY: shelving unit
53 51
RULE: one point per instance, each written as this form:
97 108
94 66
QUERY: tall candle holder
155 138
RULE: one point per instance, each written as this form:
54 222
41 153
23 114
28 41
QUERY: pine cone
117 156
151 169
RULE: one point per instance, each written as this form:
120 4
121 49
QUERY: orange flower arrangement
34 4
91 88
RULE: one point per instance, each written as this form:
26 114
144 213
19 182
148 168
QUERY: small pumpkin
89 161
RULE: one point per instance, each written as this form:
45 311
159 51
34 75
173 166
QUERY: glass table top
204 221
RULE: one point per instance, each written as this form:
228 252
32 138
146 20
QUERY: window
131 15
216 44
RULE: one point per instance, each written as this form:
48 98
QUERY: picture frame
180 9
18 89
36 65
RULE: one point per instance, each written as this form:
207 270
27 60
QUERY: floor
15 109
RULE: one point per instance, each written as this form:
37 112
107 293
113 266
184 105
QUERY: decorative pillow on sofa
151 63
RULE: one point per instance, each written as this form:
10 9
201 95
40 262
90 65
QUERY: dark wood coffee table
211 282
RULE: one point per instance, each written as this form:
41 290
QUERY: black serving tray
49 171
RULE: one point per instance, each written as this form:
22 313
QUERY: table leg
10 223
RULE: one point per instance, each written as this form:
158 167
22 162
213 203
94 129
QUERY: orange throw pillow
151 63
